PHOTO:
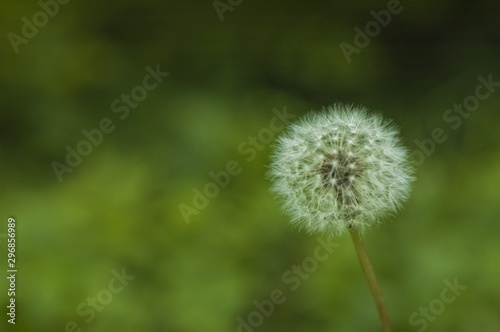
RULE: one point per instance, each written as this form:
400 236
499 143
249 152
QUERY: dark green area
119 208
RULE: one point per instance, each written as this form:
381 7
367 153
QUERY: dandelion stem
370 277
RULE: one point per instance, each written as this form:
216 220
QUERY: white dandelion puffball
340 168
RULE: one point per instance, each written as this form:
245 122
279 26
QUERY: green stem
370 277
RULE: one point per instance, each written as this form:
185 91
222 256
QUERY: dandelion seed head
340 168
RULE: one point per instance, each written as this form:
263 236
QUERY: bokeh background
119 209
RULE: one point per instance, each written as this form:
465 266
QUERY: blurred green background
119 208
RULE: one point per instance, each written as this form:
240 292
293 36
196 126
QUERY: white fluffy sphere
341 168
